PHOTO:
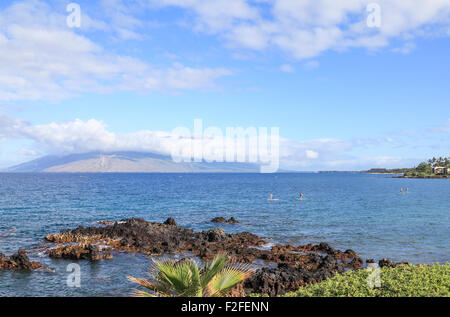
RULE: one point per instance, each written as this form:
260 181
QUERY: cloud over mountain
78 136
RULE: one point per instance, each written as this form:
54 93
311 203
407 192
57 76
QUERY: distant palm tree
186 279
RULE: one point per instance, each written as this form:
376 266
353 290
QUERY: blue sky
357 97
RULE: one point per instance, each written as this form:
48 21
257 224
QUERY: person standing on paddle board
301 196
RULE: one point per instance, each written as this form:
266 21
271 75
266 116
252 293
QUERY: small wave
267 246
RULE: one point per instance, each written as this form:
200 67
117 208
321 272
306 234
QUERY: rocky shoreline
18 261
278 269
284 267
425 177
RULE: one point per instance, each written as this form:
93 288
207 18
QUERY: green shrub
424 168
402 281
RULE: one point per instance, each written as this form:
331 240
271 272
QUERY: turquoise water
362 212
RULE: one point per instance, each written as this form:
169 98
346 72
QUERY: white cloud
28 152
287 68
312 64
307 28
122 20
312 154
182 77
446 127
347 162
214 15
79 136
9 126
249 36
405 49
41 58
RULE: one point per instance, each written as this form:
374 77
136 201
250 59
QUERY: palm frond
195 288
143 282
139 293
225 280
185 278
158 288
211 269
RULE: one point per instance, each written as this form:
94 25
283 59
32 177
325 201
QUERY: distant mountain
125 162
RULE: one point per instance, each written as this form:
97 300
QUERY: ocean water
362 212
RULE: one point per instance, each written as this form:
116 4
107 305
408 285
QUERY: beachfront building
441 170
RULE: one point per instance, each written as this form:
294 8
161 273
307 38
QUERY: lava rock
296 265
356 263
219 220
79 252
170 221
22 261
223 220
216 234
18 261
285 277
386 263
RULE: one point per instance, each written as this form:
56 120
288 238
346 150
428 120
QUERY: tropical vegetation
185 278
401 281
441 161
425 169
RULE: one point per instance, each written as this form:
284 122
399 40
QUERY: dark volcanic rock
170 221
386 263
18 261
22 260
276 281
219 220
79 252
325 247
287 278
297 265
136 234
389 263
223 220
356 263
216 234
